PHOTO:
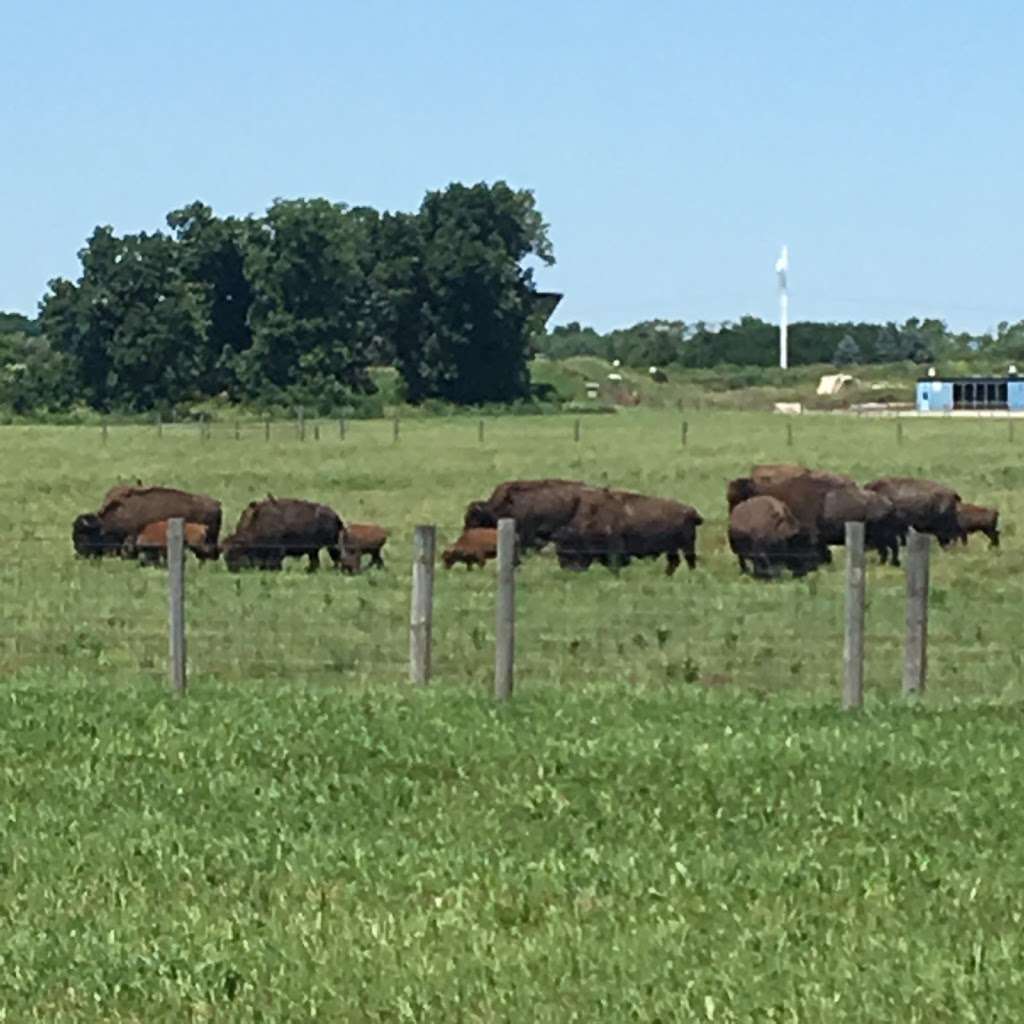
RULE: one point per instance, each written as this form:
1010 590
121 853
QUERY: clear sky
672 146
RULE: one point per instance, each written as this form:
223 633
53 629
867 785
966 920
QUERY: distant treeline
751 341
290 308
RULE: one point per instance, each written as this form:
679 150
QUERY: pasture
670 821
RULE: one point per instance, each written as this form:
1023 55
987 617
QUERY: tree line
751 341
292 307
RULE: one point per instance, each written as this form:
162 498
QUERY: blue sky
672 146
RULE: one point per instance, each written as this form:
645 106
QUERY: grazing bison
362 539
850 503
978 519
764 533
150 544
126 510
539 507
269 531
476 546
613 527
926 506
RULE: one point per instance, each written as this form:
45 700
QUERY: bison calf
150 544
978 519
360 539
475 547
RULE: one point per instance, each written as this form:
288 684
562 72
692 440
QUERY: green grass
671 821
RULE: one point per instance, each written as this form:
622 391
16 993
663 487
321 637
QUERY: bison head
741 489
87 536
479 516
235 554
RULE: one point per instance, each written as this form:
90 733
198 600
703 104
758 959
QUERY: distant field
671 821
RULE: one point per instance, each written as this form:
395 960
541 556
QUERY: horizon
672 151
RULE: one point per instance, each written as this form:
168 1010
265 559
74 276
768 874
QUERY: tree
133 327
311 314
460 300
211 253
847 352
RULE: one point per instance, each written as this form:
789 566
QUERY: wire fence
110 617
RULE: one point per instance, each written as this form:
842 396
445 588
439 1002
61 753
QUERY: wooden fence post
421 613
480 432
789 434
159 425
341 428
302 423
899 430
316 431
915 655
238 432
1009 423
176 598
853 641
266 430
395 429
685 431
576 430
505 615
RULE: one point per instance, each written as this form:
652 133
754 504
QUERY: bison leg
671 562
376 560
335 555
314 560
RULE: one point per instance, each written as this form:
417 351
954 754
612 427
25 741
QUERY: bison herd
780 517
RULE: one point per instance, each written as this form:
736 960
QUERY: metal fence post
176 603
853 641
505 615
915 655
421 613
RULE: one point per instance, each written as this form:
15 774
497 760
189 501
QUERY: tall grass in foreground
290 853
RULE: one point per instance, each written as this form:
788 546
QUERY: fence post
421 613
394 429
853 642
316 431
1009 423
302 423
686 428
237 431
789 434
159 425
480 432
576 430
899 431
341 427
266 430
176 598
915 655
505 616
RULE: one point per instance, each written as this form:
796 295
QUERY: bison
850 503
926 506
269 531
150 544
476 546
764 533
978 519
128 509
362 539
613 527
539 507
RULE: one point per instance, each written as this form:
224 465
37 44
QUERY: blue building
946 394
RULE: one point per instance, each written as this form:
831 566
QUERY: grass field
672 821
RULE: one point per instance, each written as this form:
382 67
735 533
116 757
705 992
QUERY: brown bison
926 506
853 504
539 507
476 546
269 531
126 510
764 533
613 527
978 519
360 539
150 544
